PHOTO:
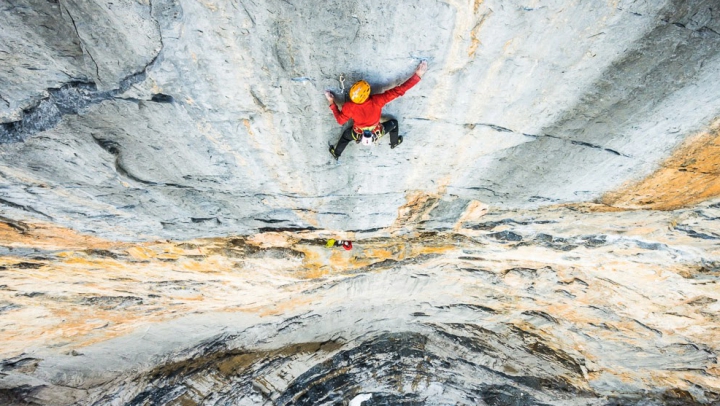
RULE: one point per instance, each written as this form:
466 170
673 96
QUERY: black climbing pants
345 138
390 126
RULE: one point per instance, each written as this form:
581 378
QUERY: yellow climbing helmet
359 92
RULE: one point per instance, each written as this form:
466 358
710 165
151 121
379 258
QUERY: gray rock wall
178 119
183 118
522 307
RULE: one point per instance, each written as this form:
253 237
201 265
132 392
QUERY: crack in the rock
629 12
645 326
502 129
702 30
496 194
495 127
24 208
291 228
587 144
321 212
159 28
257 100
575 142
271 221
113 148
82 45
366 230
20 226
694 234
248 14
71 98
97 68
122 171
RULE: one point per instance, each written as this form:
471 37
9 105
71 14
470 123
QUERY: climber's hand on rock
329 96
421 69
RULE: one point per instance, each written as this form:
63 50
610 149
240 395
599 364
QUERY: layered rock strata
166 192
562 306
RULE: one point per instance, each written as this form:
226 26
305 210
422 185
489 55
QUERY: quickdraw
342 86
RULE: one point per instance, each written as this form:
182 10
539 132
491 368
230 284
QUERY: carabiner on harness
368 138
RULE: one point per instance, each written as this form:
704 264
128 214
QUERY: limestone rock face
179 119
556 306
166 192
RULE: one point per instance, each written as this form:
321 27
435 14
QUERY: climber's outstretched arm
398 91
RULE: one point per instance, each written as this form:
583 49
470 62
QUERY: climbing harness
368 135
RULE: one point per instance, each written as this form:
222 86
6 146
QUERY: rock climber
347 245
365 109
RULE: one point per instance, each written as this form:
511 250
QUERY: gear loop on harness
374 132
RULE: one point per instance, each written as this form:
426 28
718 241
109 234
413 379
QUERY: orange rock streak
689 176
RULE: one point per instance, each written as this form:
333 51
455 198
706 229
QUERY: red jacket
368 114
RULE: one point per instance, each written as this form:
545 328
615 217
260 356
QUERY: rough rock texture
165 193
559 306
180 119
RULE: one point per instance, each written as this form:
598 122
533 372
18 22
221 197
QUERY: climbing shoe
400 138
332 152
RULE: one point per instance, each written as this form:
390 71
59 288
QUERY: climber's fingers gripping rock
422 68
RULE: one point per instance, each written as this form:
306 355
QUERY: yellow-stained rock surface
607 297
691 175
